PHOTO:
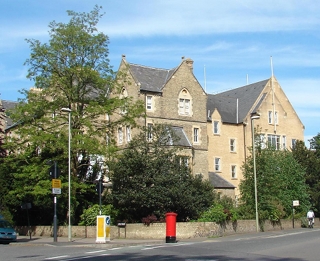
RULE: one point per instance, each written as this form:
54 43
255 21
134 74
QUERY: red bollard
171 227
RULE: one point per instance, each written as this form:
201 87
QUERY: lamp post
69 173
255 116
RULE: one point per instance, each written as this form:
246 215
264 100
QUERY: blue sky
231 41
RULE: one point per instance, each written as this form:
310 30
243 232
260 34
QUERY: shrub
214 214
89 216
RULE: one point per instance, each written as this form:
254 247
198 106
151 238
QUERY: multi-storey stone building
215 130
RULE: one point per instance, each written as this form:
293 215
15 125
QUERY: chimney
123 56
190 63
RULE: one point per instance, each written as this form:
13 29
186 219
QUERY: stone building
216 129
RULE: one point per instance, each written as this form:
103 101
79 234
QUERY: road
294 245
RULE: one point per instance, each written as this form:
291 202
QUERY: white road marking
93 252
55 257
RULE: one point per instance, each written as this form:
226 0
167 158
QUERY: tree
280 180
150 178
310 160
70 71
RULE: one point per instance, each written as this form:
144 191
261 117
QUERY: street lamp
255 116
69 173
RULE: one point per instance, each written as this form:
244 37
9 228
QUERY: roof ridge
150 67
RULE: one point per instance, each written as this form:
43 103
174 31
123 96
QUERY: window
217 164
185 161
284 142
128 133
276 117
270 117
234 171
149 102
274 140
107 139
232 145
120 136
184 106
196 135
263 141
149 134
293 143
216 127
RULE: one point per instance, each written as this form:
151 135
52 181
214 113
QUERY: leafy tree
89 216
70 71
310 160
150 178
280 180
315 144
3 181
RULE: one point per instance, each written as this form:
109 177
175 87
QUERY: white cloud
146 18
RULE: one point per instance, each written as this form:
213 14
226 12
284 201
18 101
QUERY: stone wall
184 230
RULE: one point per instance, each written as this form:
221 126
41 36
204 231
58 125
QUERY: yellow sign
56 183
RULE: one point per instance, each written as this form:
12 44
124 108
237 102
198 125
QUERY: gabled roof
150 79
8 105
218 182
234 105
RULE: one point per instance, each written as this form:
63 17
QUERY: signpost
54 173
295 203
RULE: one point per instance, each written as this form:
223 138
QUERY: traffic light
99 187
54 171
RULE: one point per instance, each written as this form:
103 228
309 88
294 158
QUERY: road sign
56 191
56 183
295 203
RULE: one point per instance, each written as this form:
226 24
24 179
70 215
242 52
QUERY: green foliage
71 71
280 180
222 210
214 214
89 216
151 178
310 160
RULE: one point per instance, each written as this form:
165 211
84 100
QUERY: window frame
128 133
149 102
232 143
120 135
270 117
216 127
274 140
217 164
196 134
234 171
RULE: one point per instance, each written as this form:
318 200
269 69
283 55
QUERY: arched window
185 103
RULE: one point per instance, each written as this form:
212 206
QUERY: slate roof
8 105
219 182
226 102
183 139
150 79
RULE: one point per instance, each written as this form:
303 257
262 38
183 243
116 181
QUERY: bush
89 216
214 214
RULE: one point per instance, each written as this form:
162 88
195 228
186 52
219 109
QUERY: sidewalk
82 242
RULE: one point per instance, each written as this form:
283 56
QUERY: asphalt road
294 245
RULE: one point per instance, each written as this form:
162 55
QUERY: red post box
171 227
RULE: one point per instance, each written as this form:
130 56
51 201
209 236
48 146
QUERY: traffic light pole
100 184
55 207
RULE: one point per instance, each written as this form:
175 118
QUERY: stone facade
184 230
175 97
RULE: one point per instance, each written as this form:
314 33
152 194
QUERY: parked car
7 232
